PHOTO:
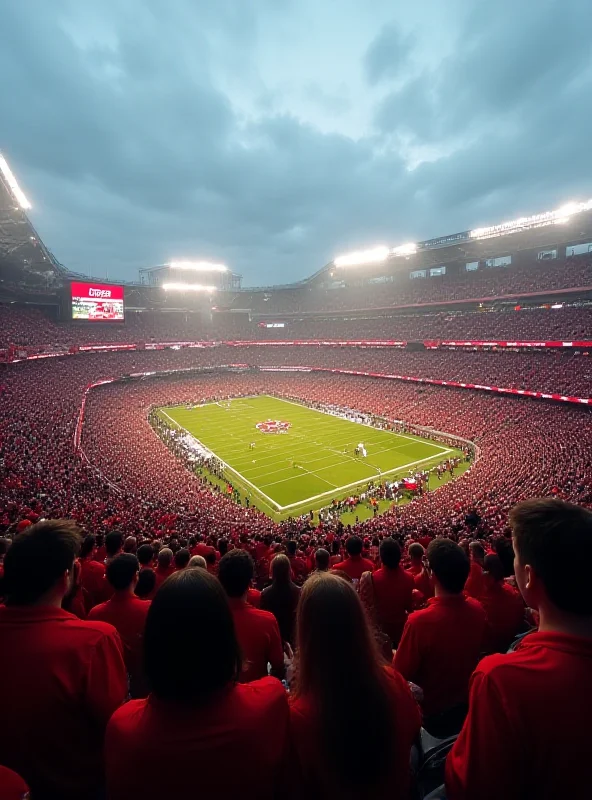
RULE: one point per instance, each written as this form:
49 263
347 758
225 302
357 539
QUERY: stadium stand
100 524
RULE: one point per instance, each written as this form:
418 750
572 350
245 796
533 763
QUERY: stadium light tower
187 287
198 266
12 183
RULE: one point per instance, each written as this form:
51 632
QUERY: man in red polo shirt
62 677
393 591
257 631
355 565
164 566
441 644
503 605
127 613
528 731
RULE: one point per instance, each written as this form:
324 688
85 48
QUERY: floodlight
11 181
187 287
372 256
198 266
404 250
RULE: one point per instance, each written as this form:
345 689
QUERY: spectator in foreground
256 630
442 643
322 560
528 730
146 585
182 558
197 561
92 574
421 575
164 566
503 605
127 613
354 565
474 584
62 677
344 690
113 545
389 592
12 786
145 555
281 598
198 724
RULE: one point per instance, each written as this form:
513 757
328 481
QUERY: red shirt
475 583
423 584
313 779
504 607
234 747
62 678
393 600
415 569
93 581
259 639
12 786
299 568
440 648
162 573
127 613
254 597
354 566
528 731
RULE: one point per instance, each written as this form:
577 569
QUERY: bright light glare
11 181
373 256
187 287
404 250
559 216
198 266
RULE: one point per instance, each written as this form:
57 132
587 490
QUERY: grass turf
310 465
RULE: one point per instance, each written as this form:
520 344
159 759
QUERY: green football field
290 473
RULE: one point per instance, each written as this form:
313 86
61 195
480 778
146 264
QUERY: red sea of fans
81 631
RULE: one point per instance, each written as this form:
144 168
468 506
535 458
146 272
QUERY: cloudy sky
275 134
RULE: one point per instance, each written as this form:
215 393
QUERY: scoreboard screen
97 302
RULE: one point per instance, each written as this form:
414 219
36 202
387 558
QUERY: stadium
403 392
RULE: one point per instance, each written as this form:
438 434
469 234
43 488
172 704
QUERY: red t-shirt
12 786
354 566
93 581
127 613
254 597
62 678
504 607
474 584
393 600
310 774
234 747
423 584
528 731
162 573
259 639
440 648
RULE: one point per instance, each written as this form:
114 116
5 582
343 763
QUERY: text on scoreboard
97 302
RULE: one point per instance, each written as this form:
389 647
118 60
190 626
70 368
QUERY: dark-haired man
442 643
113 545
256 630
393 591
355 565
62 677
92 574
528 730
127 613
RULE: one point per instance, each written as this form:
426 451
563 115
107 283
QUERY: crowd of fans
570 273
328 684
33 327
133 481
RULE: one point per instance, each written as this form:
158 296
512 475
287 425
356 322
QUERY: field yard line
318 410
350 485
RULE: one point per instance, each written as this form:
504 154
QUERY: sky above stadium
273 135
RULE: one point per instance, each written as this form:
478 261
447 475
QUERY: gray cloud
143 133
